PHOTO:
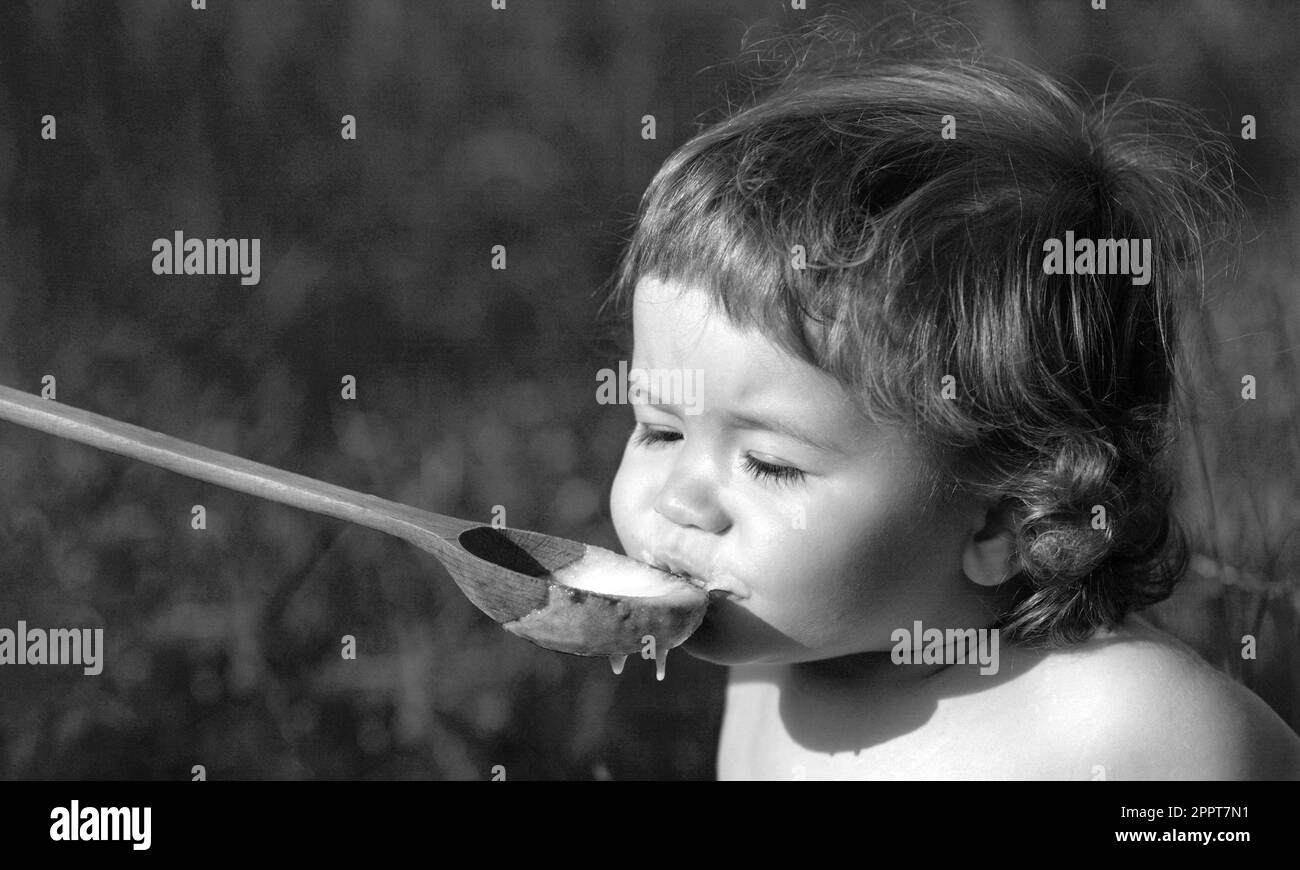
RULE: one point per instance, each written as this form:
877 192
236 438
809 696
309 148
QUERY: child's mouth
718 583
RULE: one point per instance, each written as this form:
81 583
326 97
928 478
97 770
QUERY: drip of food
661 663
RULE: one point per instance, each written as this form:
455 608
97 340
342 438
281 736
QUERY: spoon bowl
507 573
533 605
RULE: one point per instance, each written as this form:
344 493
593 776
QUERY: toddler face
811 522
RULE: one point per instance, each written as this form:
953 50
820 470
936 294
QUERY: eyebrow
782 427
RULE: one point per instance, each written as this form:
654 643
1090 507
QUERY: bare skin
1133 704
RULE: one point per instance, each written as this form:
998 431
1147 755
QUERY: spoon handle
422 528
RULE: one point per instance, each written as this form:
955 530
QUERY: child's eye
776 473
644 436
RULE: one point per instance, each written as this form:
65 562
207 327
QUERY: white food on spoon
601 570
715 581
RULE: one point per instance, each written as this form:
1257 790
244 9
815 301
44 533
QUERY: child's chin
714 653
730 641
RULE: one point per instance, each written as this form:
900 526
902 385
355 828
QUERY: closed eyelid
776 472
781 427
780 474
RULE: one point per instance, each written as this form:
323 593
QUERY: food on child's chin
604 604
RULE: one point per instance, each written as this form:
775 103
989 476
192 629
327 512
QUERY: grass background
475 387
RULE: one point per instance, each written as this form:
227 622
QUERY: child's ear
990 556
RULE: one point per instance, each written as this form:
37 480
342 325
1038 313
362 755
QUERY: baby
933 308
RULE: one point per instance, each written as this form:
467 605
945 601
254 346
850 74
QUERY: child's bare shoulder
1146 706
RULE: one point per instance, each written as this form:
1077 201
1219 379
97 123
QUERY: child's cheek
631 501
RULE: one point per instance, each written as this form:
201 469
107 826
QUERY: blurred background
475 388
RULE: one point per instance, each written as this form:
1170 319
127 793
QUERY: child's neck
975 608
868 670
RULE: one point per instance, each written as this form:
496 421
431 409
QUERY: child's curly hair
925 259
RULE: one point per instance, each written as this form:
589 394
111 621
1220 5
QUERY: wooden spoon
505 572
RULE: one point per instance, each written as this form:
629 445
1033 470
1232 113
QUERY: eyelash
643 436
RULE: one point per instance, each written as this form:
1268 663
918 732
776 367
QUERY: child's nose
689 498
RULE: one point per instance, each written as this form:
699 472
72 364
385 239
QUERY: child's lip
718 584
